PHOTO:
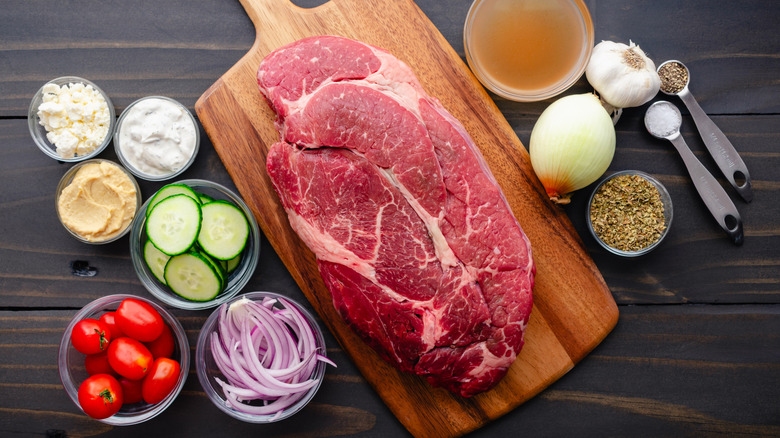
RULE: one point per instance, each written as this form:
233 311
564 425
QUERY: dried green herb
627 213
674 77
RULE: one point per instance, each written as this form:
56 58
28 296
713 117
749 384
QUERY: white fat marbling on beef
413 236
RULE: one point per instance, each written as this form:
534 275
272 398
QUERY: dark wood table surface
696 350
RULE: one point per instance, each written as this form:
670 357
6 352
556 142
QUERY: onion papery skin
572 144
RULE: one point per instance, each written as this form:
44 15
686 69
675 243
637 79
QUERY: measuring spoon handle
721 149
711 192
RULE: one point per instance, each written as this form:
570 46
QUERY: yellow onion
572 145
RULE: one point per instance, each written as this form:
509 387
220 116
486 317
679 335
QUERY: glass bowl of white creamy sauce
156 138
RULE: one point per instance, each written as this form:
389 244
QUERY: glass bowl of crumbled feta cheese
71 119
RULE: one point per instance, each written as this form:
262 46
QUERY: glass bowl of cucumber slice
194 244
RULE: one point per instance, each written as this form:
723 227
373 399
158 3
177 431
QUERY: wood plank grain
683 369
698 264
133 52
36 401
573 308
36 269
664 371
130 49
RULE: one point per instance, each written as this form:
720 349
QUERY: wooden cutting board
573 309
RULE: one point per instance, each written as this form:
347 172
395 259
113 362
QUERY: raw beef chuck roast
413 236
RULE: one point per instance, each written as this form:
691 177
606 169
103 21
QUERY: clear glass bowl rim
67 178
668 213
543 94
241 275
38 132
130 167
111 302
218 399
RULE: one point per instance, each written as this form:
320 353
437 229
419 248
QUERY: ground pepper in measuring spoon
675 78
156 136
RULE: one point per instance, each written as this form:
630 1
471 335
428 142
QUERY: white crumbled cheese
76 118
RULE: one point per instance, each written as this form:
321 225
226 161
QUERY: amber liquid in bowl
529 47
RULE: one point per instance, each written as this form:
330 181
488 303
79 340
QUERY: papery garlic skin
622 75
572 144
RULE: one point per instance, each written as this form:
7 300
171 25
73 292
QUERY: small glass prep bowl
71 362
482 71
207 368
38 132
68 178
665 199
129 165
237 279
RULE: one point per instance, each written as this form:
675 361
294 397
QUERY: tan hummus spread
99 203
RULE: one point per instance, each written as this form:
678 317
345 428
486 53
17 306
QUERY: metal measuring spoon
721 149
663 120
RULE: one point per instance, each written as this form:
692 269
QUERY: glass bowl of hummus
71 119
235 276
156 138
97 200
73 370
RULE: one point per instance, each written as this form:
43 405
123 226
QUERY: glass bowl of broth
528 50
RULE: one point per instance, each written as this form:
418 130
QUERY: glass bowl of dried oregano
629 213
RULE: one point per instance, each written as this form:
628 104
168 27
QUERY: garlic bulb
623 75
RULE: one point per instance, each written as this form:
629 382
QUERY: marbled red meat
413 236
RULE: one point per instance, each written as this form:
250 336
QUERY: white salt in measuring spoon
721 149
663 120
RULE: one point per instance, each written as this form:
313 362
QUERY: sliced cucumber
155 260
174 224
204 198
170 190
217 268
193 277
233 263
224 230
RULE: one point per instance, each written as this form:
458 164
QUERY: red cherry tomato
131 389
161 380
139 320
129 358
90 336
100 396
164 344
98 364
109 320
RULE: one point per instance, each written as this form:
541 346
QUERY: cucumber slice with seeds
174 224
224 230
155 260
193 277
170 190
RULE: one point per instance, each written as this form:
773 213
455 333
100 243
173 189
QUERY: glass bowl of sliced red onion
261 357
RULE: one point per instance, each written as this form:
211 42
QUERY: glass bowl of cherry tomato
123 359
